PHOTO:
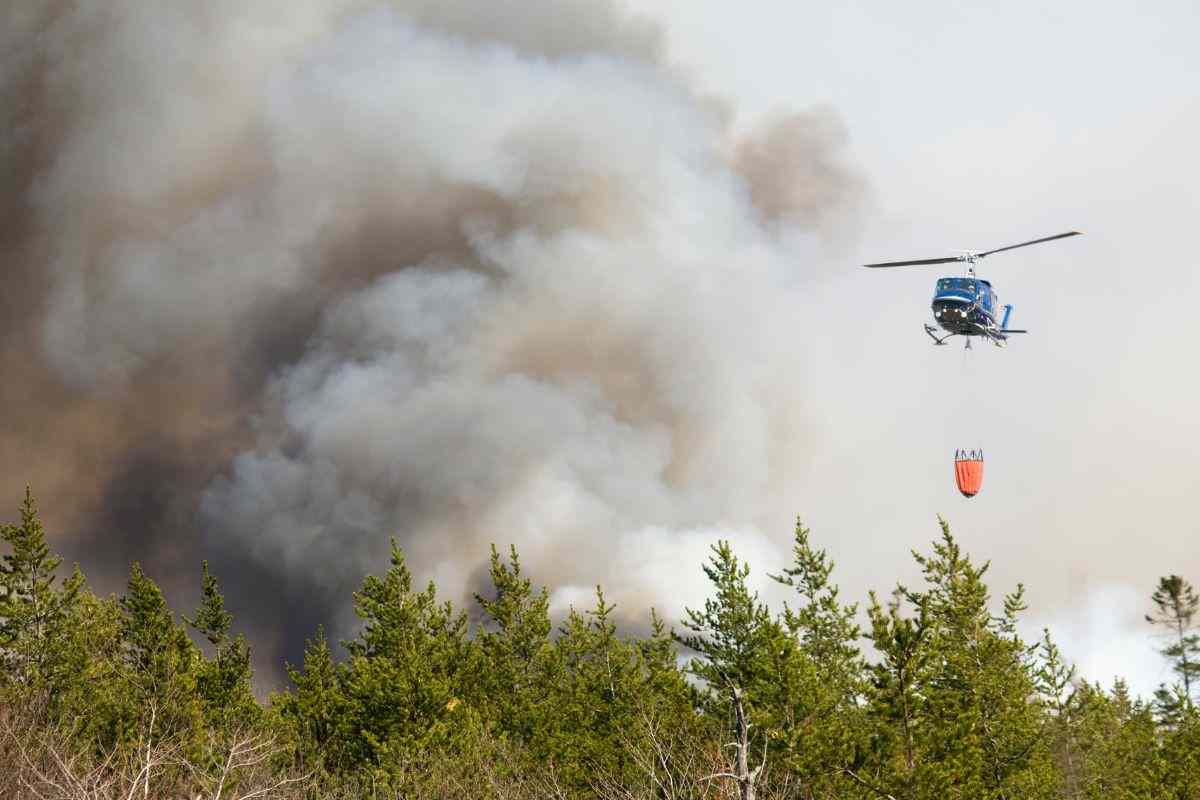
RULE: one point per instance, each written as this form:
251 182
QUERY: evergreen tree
1116 746
959 680
1180 756
896 700
734 630
97 695
824 679
603 688
1055 683
1176 605
951 703
512 683
402 686
742 651
662 666
211 621
315 711
224 682
158 663
33 611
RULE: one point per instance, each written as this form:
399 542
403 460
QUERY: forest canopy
925 691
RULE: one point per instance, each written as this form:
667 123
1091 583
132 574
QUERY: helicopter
967 306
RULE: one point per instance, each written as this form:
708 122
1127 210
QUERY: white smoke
556 303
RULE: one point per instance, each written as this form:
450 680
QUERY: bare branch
867 785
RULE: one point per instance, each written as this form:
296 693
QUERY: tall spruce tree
314 712
739 646
401 690
148 691
1180 756
895 756
824 677
1055 680
33 610
955 694
513 684
224 682
1176 606
1116 746
603 687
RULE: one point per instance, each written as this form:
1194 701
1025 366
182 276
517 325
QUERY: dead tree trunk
745 777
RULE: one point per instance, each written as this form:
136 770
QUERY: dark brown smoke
796 167
281 285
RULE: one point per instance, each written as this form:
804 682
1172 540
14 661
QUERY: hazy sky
286 278
977 125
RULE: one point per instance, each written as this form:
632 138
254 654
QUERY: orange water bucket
968 471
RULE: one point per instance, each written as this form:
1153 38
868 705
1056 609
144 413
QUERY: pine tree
212 621
603 687
32 610
1055 679
95 693
1180 756
982 690
958 682
159 663
402 686
1116 746
659 658
740 646
316 711
595 684
224 682
824 680
734 629
896 700
516 651
1177 605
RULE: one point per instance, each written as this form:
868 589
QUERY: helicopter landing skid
932 331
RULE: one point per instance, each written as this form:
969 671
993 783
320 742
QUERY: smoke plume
286 279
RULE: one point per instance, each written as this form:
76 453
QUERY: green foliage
600 684
896 704
212 621
512 687
955 695
158 665
1180 757
735 634
1116 751
1061 701
224 682
822 679
314 710
753 671
1176 606
949 702
33 611
401 685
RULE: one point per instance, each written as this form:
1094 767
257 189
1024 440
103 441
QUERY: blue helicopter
968 306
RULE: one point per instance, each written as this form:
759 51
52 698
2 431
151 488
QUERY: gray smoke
295 277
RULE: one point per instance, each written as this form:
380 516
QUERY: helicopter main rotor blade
1026 244
915 263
